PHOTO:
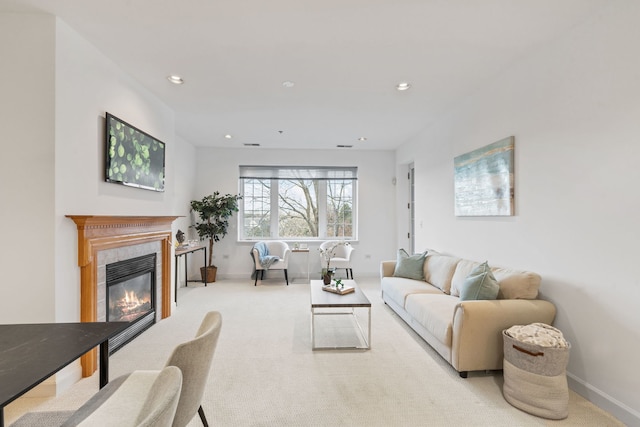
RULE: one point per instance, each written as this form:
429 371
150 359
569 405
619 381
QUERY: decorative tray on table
340 290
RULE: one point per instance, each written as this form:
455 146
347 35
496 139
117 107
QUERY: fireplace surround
97 236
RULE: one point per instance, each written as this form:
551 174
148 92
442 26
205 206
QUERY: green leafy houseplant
214 212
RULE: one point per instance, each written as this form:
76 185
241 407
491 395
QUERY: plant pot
208 273
327 275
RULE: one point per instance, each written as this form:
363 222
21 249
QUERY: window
285 202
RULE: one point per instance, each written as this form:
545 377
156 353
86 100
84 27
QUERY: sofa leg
463 374
286 276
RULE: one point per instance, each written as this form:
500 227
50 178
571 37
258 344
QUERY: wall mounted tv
134 157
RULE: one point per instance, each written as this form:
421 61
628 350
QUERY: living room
571 104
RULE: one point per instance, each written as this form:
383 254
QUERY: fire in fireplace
130 299
131 296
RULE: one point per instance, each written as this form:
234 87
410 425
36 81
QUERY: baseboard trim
56 384
625 414
47 388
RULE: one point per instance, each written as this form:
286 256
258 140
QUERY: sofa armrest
478 325
387 268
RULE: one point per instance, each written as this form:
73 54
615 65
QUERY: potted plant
214 212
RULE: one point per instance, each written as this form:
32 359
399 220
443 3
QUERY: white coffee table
334 304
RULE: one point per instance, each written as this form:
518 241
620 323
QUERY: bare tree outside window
339 208
298 204
307 208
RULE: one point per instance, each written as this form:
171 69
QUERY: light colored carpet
265 374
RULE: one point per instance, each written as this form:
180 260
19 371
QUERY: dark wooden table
31 353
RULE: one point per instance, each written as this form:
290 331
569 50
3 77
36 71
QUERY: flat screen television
133 157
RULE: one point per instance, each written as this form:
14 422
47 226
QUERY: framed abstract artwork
483 180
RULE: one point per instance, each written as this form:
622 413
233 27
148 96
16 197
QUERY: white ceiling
345 57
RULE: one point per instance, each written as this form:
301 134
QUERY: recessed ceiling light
228 136
288 84
362 138
403 86
176 80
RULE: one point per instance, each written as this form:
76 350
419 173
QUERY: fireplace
130 296
98 236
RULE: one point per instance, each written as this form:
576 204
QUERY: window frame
323 174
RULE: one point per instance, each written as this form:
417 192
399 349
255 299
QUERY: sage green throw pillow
410 266
479 284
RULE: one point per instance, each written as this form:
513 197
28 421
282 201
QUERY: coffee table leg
313 331
369 332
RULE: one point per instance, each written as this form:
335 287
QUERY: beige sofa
468 334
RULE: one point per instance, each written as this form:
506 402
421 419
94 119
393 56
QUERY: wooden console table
185 251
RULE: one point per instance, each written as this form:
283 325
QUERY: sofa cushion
517 284
463 269
397 288
480 284
435 313
410 266
439 269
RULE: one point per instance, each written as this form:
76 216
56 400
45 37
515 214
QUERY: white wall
574 109
218 170
87 85
56 89
27 173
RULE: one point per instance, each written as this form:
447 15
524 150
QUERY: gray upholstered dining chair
191 360
160 407
140 399
194 358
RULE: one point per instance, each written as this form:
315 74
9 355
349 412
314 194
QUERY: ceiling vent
344 146
252 145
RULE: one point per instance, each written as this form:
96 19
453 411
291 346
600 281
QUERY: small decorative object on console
180 238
